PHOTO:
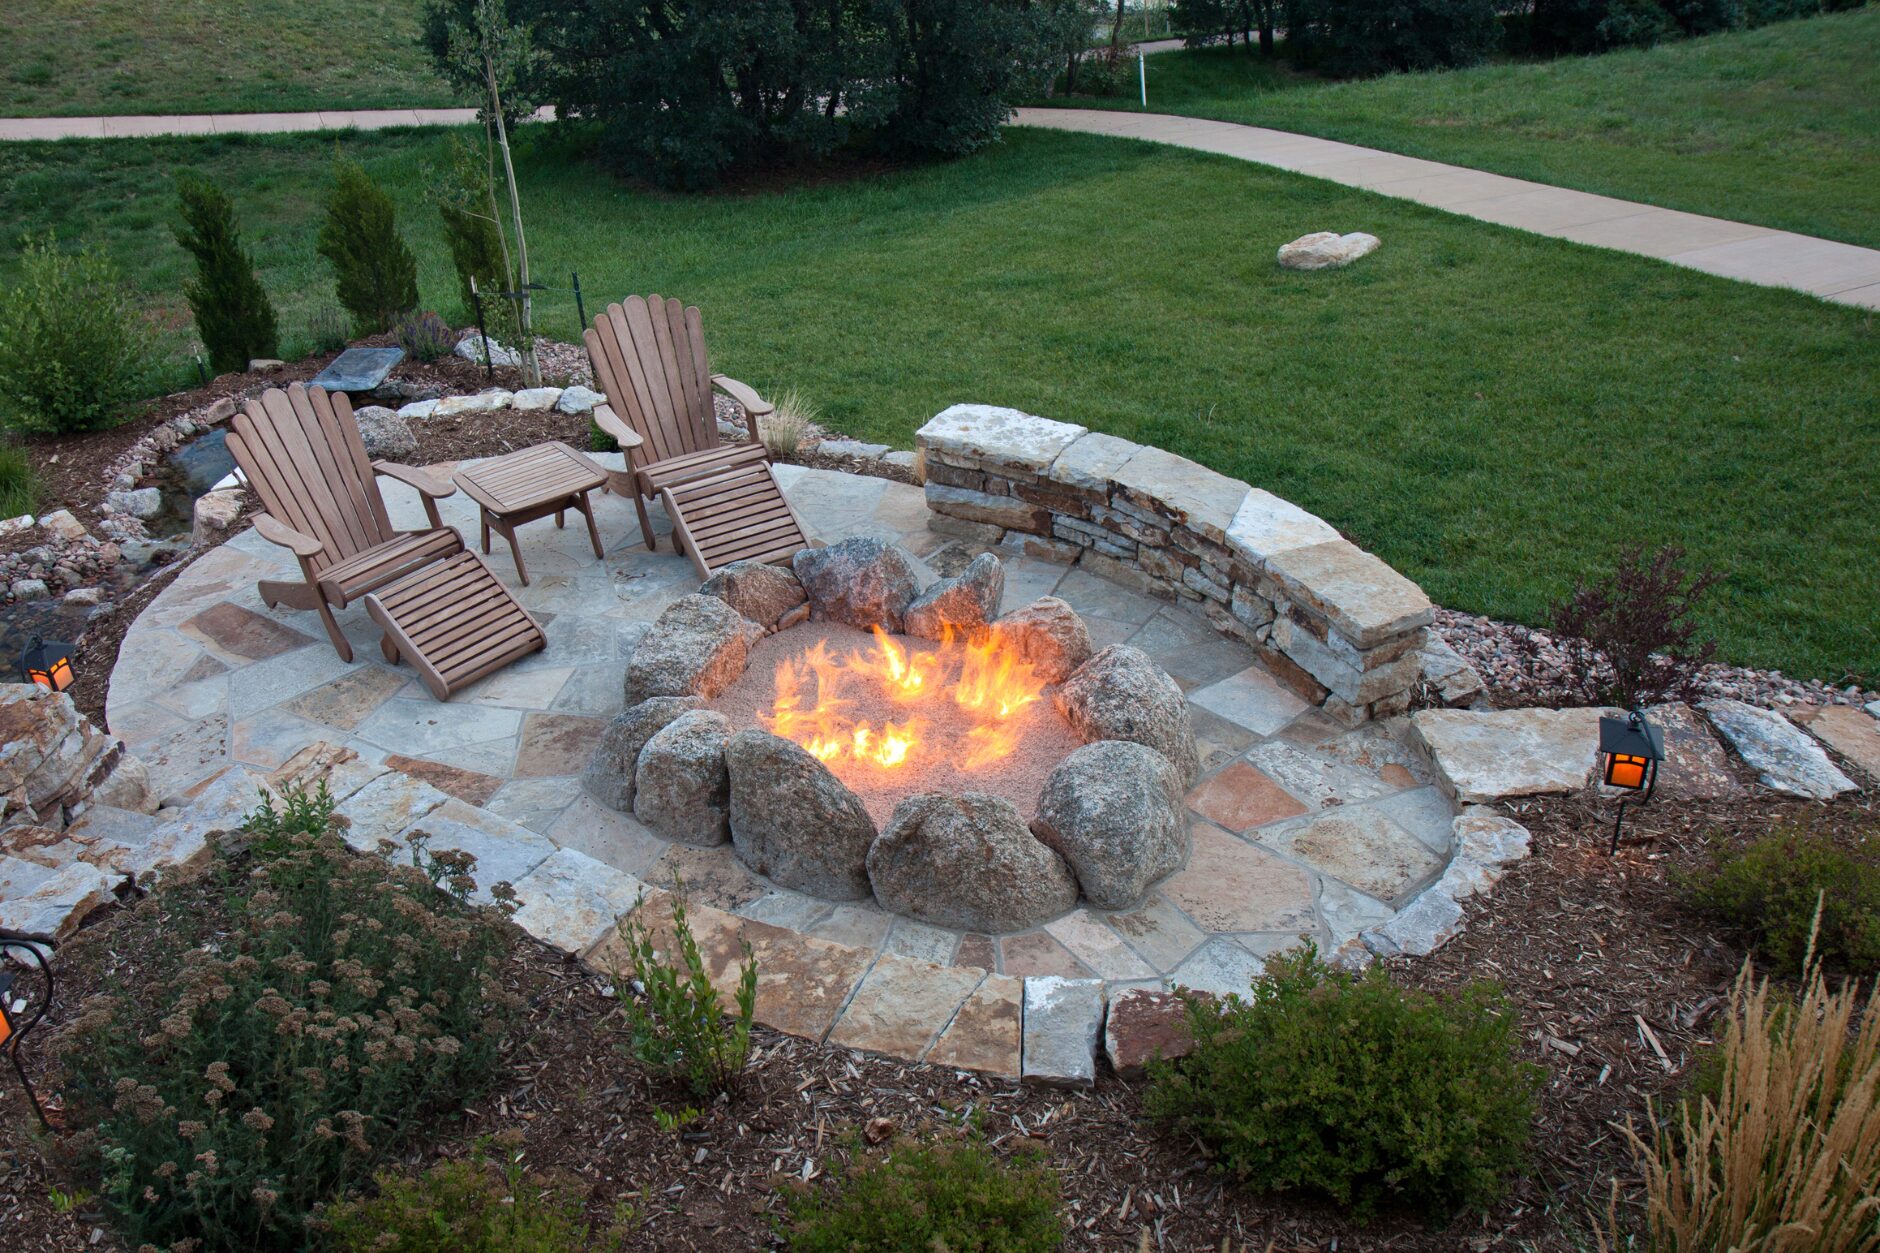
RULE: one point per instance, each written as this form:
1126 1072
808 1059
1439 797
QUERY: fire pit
851 735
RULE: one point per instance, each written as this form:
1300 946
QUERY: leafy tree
376 275
234 316
1205 21
474 234
73 348
1359 37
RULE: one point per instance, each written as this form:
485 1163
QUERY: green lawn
82 57
1491 411
1778 126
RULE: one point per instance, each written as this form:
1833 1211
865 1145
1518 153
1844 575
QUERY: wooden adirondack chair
301 452
648 355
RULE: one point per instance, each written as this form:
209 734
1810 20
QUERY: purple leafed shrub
1630 638
424 336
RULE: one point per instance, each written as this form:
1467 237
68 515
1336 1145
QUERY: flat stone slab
572 901
986 1035
1091 461
1231 885
1005 438
1204 500
55 905
359 369
1483 756
1142 1026
1063 1018
1362 597
1695 765
1784 757
1265 526
1361 847
902 1005
1221 967
1848 731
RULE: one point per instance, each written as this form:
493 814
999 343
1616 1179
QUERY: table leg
483 523
515 550
586 506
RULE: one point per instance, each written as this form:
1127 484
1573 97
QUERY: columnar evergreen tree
375 273
234 316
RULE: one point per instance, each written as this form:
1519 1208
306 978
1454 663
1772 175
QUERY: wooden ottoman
455 622
529 484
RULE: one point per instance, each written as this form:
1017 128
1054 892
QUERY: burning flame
814 706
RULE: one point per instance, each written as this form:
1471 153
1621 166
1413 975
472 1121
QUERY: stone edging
1346 627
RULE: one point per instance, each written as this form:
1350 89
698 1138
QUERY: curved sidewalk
1842 273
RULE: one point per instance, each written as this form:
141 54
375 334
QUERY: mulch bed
1617 985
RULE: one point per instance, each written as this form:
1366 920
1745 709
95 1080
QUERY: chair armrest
411 476
618 431
743 393
277 532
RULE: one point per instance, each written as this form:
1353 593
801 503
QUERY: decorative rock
1004 438
83 597
417 410
215 513
384 433
609 774
1444 671
30 589
481 402
1142 1026
530 399
257 365
470 348
861 582
761 592
1048 636
1695 765
900 458
1430 921
13 526
1120 694
578 400
961 604
358 369
145 502
1846 730
1323 249
1783 755
1489 755
680 788
1062 1020
58 904
967 862
697 647
1113 810
63 527
851 448
1486 843
793 821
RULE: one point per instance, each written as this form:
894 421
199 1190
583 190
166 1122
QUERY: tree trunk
525 330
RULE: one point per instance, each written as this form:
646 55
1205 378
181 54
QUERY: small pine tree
234 316
376 274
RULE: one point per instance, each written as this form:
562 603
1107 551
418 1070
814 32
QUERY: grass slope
68 58
1778 126
1492 412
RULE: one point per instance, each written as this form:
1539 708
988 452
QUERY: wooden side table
530 484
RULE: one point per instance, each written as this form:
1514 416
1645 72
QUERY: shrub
1348 38
424 336
1204 21
19 485
1772 889
1763 12
327 328
957 1197
234 317
676 1027
1787 1155
1351 1087
1630 639
266 1058
73 349
477 1206
376 276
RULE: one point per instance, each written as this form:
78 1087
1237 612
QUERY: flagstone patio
1300 826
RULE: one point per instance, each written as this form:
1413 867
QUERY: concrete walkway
144 126
1843 273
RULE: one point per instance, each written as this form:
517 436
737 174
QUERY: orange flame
976 674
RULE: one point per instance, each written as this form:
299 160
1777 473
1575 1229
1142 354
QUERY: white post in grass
1142 75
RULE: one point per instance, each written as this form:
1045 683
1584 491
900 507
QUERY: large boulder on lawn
968 862
1120 694
697 647
681 790
761 592
1113 809
1326 250
793 821
384 433
609 774
961 604
860 582
1048 635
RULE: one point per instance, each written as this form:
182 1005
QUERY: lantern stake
10 1043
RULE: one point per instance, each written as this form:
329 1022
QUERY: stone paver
986 1034
1489 755
1842 273
1785 758
1241 796
902 1005
1361 847
1848 731
1063 1018
1231 885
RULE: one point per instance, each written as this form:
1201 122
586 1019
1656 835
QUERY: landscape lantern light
1631 749
47 664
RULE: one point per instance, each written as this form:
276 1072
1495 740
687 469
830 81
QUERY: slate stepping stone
359 369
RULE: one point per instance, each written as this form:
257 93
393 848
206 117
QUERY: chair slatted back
648 354
301 452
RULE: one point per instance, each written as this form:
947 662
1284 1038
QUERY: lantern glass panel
1625 770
